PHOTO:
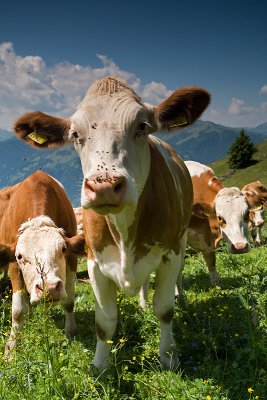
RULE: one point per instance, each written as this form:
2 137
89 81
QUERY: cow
38 240
218 213
256 194
136 195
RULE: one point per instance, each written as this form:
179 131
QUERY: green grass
221 335
256 172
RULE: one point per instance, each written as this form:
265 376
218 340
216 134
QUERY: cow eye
142 129
75 134
221 220
19 257
64 249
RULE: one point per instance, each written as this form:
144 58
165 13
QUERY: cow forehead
230 200
108 113
49 239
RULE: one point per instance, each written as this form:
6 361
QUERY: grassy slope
221 335
255 172
222 339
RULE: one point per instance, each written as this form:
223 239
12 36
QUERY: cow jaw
40 256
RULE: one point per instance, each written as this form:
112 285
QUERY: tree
241 151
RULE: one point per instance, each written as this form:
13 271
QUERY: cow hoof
10 346
169 362
71 332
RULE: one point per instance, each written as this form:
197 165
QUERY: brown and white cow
136 194
218 212
256 194
38 241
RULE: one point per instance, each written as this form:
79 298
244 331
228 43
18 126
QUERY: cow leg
105 313
20 306
71 329
210 259
143 294
164 302
258 235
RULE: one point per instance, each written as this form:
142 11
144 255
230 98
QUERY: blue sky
51 51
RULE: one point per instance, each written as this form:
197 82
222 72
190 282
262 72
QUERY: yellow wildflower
206 381
109 341
208 397
122 341
250 390
134 358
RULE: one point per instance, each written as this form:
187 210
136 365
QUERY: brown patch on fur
163 212
256 194
188 102
168 316
7 255
100 333
53 128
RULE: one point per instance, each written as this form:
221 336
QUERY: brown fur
39 194
53 128
162 214
189 102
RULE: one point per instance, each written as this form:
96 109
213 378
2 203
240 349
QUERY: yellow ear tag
258 208
178 122
38 137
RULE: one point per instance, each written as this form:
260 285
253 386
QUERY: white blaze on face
257 216
232 213
40 254
110 135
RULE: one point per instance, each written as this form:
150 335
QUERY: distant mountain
5 135
204 142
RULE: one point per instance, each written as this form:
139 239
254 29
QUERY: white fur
197 169
40 244
231 204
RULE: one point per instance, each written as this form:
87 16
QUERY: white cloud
238 107
263 90
27 83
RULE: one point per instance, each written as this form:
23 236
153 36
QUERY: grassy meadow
221 336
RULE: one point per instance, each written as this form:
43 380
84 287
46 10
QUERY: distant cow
256 194
136 194
38 240
218 212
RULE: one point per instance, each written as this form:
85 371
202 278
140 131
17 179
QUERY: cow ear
42 130
76 245
181 109
204 210
7 255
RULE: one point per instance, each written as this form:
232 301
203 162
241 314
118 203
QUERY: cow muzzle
105 195
239 247
49 291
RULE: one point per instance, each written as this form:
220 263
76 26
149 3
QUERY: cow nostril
88 185
59 286
120 186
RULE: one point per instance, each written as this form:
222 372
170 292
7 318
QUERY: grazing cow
217 212
256 194
136 194
38 241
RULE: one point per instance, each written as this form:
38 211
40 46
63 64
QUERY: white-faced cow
136 194
39 242
256 194
217 212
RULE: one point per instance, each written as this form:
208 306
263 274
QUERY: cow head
110 132
256 195
40 253
231 210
